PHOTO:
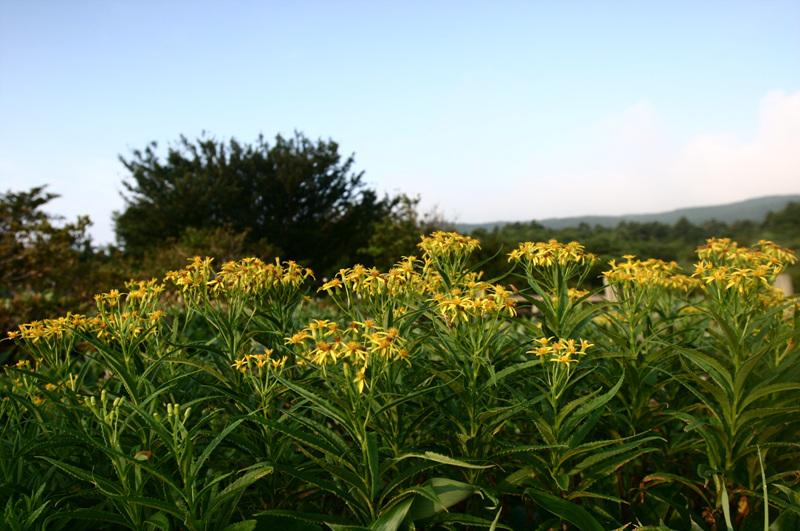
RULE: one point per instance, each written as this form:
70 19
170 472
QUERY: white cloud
634 162
725 168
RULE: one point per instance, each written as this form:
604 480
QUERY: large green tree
297 195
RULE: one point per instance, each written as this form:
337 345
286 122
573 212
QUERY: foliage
297 195
397 234
421 396
39 256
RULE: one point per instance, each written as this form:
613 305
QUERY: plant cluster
420 397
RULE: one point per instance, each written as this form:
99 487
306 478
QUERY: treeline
295 198
646 240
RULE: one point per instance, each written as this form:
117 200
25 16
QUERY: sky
486 110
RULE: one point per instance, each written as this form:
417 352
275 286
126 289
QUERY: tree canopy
297 195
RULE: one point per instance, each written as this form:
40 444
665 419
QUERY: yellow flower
331 285
541 351
356 351
324 353
360 379
297 338
564 358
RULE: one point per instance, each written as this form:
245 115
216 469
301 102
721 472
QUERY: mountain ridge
753 209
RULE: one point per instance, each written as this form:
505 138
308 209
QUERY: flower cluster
141 294
547 254
194 277
324 342
777 253
649 273
773 296
442 244
246 277
401 280
253 277
259 362
446 254
128 315
47 329
727 266
481 300
125 315
361 344
560 350
765 254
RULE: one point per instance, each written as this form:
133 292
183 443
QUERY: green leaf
158 520
320 481
566 510
405 398
244 525
105 485
391 519
590 406
443 459
373 464
198 464
632 450
768 390
508 371
281 519
468 521
446 493
252 474
320 404
787 521
666 477
527 448
302 437
154 503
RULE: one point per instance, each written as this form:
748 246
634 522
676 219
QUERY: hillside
755 209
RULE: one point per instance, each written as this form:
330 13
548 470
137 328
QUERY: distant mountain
755 209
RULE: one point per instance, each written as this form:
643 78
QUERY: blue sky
488 110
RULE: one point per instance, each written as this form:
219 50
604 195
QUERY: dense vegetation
419 397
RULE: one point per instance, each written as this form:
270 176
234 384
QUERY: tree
297 195
44 262
398 233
